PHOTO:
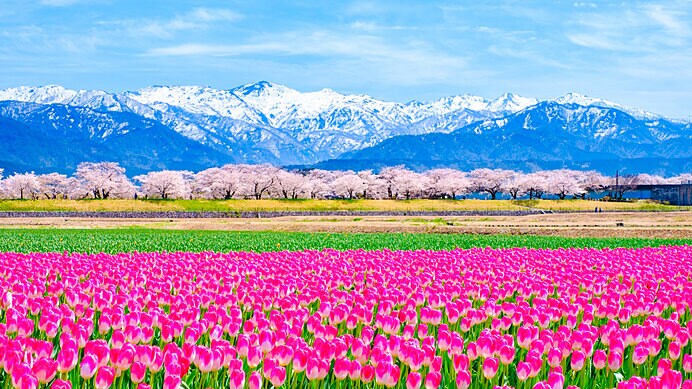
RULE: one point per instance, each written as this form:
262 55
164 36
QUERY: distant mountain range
548 135
191 127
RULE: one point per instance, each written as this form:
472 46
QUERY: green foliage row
144 240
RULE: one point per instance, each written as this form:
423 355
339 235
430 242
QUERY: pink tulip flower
490 367
414 380
137 372
88 367
104 377
61 384
44 370
255 380
237 379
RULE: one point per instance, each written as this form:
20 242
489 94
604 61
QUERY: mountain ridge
267 122
543 136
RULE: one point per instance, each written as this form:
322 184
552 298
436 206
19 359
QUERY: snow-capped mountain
576 98
544 136
57 137
267 122
50 94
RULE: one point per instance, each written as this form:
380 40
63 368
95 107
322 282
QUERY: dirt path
654 225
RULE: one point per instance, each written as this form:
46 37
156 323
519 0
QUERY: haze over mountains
51 128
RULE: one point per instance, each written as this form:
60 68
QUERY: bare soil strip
611 224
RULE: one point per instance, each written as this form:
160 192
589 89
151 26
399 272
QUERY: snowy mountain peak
262 89
580 99
49 94
194 99
510 102
328 91
458 102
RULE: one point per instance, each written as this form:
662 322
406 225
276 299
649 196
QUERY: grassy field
325 205
144 240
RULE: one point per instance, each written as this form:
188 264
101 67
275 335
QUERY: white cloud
319 43
528 55
371 27
644 28
597 41
198 18
584 4
31 39
213 15
409 62
668 18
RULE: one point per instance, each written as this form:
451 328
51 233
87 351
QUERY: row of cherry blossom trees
103 180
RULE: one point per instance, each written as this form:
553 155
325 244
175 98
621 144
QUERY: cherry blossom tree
54 185
388 176
399 181
289 185
514 185
374 186
533 184
684 178
21 186
219 183
317 183
195 188
165 184
490 180
447 182
409 184
650 179
348 185
591 181
258 178
564 182
104 180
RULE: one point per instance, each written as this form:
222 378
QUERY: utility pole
617 183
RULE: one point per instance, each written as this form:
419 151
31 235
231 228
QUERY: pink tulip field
476 318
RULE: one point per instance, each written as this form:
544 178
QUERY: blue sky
634 53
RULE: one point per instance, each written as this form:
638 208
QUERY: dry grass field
610 224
